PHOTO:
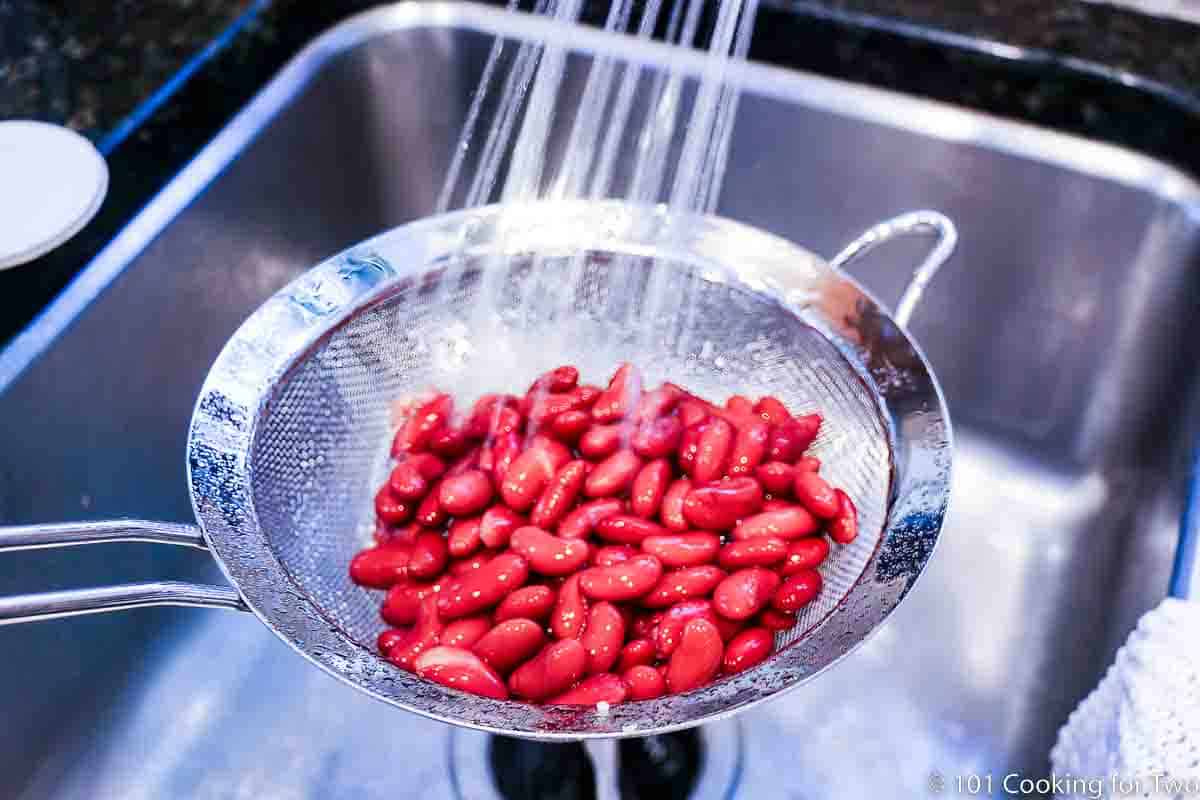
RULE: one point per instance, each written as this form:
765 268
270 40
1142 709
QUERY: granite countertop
150 81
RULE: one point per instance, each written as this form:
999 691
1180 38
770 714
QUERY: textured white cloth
1143 720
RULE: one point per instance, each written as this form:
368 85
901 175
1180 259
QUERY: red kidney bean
789 522
551 672
749 448
403 600
808 464
570 611
410 480
602 637
748 649
405 534
696 659
645 625
636 652
430 513
528 602
683 549
414 435
671 510
644 682
507 421
621 396
380 567
613 475
689 445
505 449
740 404
484 417
469 564
461 669
547 554
718 506
772 411
684 584
425 635
571 425
465 632
803 554
649 487
843 528
429 555
559 495
657 438
390 509
466 493
775 620
776 477
497 524
510 643
556 381
464 539
761 551
612 554
670 628
603 688
484 587
816 495
389 639
548 407
625 581
579 523
527 478
627 529
657 403
450 440
600 441
791 439
692 411
797 591
745 592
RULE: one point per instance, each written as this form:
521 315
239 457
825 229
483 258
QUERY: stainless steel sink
1060 333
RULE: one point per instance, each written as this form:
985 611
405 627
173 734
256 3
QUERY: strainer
290 434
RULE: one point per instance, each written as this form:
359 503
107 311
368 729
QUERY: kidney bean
600 441
430 513
797 591
761 551
671 510
485 413
745 592
649 487
657 403
497 524
527 478
670 627
578 524
469 564
636 652
843 528
450 440
772 411
602 637
403 600
425 635
410 480
790 439
570 611
644 682
461 669
415 433
551 672
808 464
748 649
740 404
510 643
775 620
464 494
697 658
749 448
684 584
692 410
559 379
776 477
625 581
657 438
603 688
613 475
718 506
559 495
683 549
548 407
645 625
380 567
485 587
405 534
571 425
816 495
528 602
390 509
547 554
621 396
627 529
463 539
389 639
505 449
612 554
803 554
789 522
429 555
689 445
465 632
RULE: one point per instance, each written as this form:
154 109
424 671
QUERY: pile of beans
580 545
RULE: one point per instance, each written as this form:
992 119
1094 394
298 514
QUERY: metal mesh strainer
291 430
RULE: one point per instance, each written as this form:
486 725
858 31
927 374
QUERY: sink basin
1059 332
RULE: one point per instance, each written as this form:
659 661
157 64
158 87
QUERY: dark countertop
150 81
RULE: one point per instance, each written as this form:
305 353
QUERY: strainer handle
913 222
73 602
